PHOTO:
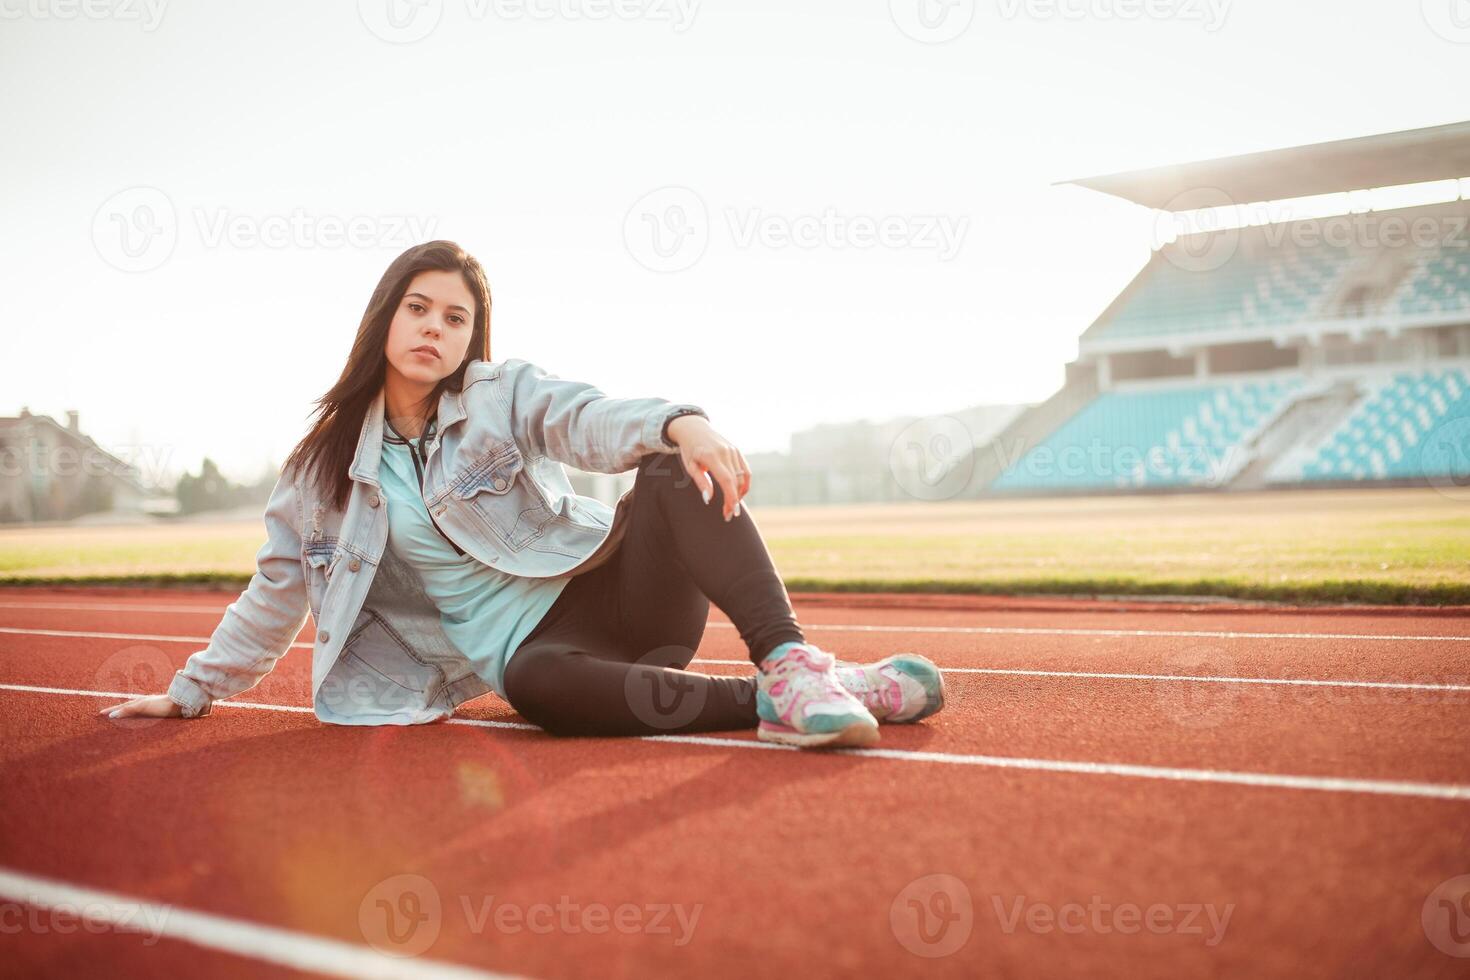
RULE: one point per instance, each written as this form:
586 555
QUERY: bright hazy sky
534 131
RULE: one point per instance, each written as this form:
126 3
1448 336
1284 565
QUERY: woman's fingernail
707 494
112 714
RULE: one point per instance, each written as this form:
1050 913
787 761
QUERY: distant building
51 472
872 462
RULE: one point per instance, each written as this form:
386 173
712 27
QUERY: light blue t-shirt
485 612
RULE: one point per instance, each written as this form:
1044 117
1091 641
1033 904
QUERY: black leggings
609 656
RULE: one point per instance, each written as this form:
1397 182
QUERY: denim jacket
494 483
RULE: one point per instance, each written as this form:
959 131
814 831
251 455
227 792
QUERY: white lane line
218 610
1018 672
251 940
1382 787
859 628
248 705
1049 631
103 635
1196 678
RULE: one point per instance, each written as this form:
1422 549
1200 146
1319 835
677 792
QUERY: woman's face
438 312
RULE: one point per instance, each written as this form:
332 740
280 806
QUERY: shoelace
875 695
809 679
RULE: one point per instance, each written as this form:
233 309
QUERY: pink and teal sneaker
901 688
801 702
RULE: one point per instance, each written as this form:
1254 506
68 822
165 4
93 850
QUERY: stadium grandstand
1308 348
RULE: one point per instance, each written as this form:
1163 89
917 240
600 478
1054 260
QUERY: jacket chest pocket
497 491
321 559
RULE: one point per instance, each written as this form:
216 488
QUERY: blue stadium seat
1385 436
1185 436
1268 286
1440 284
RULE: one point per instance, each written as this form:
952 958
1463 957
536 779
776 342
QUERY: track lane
297 821
1325 732
272 817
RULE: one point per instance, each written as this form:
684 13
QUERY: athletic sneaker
800 701
901 688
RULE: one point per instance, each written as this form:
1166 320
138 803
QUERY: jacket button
325 636
373 501
500 483
354 565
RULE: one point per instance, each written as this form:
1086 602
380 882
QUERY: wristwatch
686 410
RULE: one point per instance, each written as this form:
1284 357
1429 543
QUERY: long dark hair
326 452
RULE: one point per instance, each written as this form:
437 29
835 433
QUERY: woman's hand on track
709 456
148 706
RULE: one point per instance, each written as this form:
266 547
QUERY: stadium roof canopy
1386 159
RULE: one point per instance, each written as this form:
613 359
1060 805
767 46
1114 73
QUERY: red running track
1050 820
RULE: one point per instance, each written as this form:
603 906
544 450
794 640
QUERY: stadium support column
1104 372
1202 363
1311 358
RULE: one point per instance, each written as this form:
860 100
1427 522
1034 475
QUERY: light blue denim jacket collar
369 453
